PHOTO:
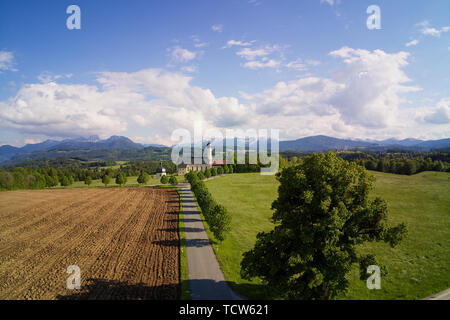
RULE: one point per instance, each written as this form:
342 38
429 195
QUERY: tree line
216 215
15 178
406 163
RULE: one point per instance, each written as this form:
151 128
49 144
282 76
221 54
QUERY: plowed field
125 242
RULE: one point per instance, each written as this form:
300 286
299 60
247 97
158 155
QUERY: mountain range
324 143
124 148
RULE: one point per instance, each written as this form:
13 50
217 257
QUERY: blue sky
145 68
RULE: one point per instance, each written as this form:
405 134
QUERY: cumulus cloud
439 114
6 61
181 55
366 92
362 98
156 100
373 86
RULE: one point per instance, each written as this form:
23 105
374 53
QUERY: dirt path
125 242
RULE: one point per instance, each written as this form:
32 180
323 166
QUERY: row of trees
169 180
398 163
216 215
404 166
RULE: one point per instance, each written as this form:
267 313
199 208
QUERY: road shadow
189 243
185 220
102 289
186 229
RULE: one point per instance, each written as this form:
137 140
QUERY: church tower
208 155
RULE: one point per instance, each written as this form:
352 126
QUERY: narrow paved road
206 279
444 295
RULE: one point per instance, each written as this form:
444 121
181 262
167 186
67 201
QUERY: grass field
418 267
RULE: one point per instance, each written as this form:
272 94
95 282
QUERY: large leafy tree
322 212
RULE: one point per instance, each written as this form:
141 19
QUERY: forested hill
113 148
144 154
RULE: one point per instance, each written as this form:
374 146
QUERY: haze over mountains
119 146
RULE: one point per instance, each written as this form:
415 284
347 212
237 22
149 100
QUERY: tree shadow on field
102 289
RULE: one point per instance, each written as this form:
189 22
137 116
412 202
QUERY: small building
160 171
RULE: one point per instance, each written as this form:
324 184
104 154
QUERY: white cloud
363 98
252 54
156 100
6 61
261 64
296 64
198 43
238 43
181 55
440 114
366 93
46 77
374 83
217 28
427 29
412 43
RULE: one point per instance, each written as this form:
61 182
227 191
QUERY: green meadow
417 268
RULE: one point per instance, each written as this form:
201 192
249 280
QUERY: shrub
164 180
6 180
201 175
219 221
173 180
65 181
143 178
88 180
121 179
106 180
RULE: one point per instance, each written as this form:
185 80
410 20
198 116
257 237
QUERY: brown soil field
125 242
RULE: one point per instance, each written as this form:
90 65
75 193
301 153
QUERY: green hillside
418 267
